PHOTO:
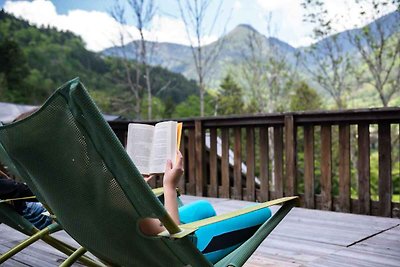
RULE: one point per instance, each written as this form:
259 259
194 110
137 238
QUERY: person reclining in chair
215 240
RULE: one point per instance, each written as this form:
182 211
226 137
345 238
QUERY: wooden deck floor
303 238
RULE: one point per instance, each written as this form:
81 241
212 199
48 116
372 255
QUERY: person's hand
173 173
147 178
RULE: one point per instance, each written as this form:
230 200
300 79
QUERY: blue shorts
217 240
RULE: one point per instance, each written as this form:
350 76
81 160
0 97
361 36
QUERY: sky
91 19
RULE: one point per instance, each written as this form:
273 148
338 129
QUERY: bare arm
171 178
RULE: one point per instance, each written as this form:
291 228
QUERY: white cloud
237 5
304 41
39 11
286 21
166 29
272 5
98 29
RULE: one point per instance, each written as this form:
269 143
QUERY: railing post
363 165
200 151
250 164
278 161
237 164
264 164
291 159
344 168
385 170
191 172
326 167
309 188
213 163
225 183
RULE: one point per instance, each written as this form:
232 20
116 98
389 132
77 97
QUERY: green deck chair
67 153
13 219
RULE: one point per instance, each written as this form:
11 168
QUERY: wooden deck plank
14 263
39 254
305 235
299 251
304 238
380 250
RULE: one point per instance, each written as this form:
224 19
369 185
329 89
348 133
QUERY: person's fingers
179 162
168 165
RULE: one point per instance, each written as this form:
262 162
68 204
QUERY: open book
150 146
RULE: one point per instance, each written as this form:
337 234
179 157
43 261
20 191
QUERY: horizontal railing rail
344 161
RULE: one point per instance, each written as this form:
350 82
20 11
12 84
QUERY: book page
164 146
139 144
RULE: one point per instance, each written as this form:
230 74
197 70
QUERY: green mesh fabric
70 157
11 218
6 161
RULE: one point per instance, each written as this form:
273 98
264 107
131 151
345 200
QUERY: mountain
178 58
236 45
389 24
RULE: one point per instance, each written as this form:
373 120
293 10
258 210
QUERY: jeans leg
33 212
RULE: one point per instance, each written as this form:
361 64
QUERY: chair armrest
159 191
189 228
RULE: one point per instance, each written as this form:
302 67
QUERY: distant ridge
178 58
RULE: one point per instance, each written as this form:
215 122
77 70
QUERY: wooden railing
324 157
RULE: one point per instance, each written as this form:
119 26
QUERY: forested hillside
35 61
255 74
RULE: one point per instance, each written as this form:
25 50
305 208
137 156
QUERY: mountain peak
242 32
246 27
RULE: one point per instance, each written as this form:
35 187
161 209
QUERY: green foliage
158 108
35 61
230 98
14 68
191 107
305 98
40 59
166 84
169 107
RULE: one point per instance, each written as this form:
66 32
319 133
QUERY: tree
191 107
193 14
14 68
264 73
158 110
326 61
118 13
143 11
378 46
230 97
169 107
305 98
